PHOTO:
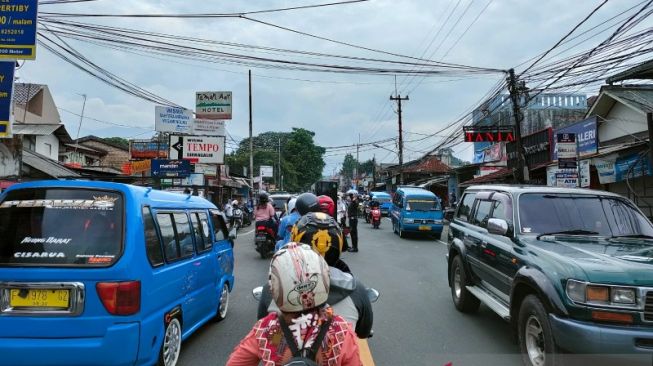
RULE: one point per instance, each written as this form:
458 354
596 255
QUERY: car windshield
279 203
606 216
382 199
59 227
422 205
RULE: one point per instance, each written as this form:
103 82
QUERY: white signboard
198 149
267 171
173 119
207 169
195 179
209 127
584 167
567 179
213 105
605 167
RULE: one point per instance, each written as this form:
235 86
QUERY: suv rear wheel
463 299
536 341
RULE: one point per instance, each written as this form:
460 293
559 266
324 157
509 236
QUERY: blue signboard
6 86
586 137
632 166
18 29
170 168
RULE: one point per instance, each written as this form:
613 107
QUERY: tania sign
198 149
488 134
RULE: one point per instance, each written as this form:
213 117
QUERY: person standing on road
352 212
305 325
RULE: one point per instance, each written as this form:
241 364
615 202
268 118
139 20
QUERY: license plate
424 228
24 298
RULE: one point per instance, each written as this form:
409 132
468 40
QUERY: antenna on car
147 192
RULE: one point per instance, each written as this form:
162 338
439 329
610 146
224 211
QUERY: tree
301 160
117 141
348 166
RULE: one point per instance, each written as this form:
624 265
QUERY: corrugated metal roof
640 98
24 92
641 71
35 129
47 166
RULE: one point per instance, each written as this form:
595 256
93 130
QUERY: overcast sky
336 107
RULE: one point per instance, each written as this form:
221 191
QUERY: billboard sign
170 168
194 179
566 179
488 134
6 88
266 171
207 169
147 149
139 166
209 127
173 119
198 149
18 35
566 150
213 105
586 140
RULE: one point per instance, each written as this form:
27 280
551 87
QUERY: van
416 210
384 200
106 273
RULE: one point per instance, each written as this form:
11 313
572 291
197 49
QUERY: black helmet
307 202
263 197
322 233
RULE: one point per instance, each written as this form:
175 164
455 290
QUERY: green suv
570 269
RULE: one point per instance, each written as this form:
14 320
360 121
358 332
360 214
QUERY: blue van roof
414 191
146 195
384 194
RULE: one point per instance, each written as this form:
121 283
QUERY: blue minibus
97 273
416 210
384 200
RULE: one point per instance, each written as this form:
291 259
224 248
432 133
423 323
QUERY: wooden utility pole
649 120
515 96
398 98
251 142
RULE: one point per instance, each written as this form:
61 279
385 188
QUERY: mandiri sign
213 105
198 149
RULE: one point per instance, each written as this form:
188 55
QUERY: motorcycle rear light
120 298
261 228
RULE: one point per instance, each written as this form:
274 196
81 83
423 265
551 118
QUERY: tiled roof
497 176
21 91
47 166
81 140
429 165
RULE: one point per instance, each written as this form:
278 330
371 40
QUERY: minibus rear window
61 227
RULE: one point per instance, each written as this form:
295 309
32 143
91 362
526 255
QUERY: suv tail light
120 298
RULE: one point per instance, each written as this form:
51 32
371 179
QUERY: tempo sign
198 149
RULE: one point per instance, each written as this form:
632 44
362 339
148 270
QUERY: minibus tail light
120 298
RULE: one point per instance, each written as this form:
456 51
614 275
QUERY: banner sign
605 168
632 166
170 168
266 171
488 134
173 119
147 149
213 105
134 167
586 140
567 179
6 88
207 169
566 150
584 173
194 179
18 29
198 149
209 127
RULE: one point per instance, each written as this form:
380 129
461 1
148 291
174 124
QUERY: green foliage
301 160
117 141
349 166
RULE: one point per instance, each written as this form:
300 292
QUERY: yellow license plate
24 298
424 228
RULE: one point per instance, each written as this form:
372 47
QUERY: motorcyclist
348 295
299 283
264 214
286 224
307 202
327 205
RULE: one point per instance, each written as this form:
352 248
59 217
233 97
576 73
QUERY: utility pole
373 172
515 96
251 142
357 162
398 98
81 119
279 183
649 120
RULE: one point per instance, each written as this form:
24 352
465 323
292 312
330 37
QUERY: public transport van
384 200
416 210
97 273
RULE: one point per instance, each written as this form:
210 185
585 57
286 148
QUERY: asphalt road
415 322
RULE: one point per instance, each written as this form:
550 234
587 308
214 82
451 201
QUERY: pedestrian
341 213
305 327
352 212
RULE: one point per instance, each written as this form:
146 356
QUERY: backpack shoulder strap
289 337
312 352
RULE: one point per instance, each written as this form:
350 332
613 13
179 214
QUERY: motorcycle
367 213
237 218
247 216
264 240
375 213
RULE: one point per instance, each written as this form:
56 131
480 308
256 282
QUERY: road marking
247 233
441 242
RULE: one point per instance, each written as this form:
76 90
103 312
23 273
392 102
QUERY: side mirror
257 293
373 294
497 226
